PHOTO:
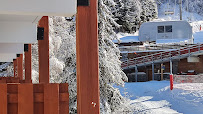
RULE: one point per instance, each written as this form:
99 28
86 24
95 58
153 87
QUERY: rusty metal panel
12 90
38 98
25 99
63 98
51 99
3 98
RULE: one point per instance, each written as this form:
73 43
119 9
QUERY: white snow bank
198 37
127 38
155 97
161 41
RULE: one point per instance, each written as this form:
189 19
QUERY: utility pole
180 4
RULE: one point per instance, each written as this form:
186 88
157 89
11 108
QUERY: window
164 29
160 29
168 28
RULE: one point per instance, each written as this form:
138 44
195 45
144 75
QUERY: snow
127 38
198 37
161 41
155 97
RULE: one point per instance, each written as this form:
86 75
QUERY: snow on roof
161 41
127 39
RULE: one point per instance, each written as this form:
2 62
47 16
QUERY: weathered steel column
87 58
136 71
28 63
152 71
43 49
20 66
162 76
15 67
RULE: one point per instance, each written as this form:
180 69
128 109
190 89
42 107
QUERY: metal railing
162 56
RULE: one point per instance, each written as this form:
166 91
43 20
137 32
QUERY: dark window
160 29
168 28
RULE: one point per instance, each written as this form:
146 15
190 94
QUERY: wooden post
87 59
43 50
20 66
15 67
28 64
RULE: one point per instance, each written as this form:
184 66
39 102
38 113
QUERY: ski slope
155 97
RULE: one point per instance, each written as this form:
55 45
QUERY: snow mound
155 97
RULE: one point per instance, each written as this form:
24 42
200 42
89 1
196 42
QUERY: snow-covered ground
155 97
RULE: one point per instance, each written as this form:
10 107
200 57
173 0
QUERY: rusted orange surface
28 64
34 98
3 98
25 99
20 66
87 59
51 99
14 67
43 49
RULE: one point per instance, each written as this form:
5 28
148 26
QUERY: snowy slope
194 19
156 97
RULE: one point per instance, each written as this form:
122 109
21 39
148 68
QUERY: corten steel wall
34 99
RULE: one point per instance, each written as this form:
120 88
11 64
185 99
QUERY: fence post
171 75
